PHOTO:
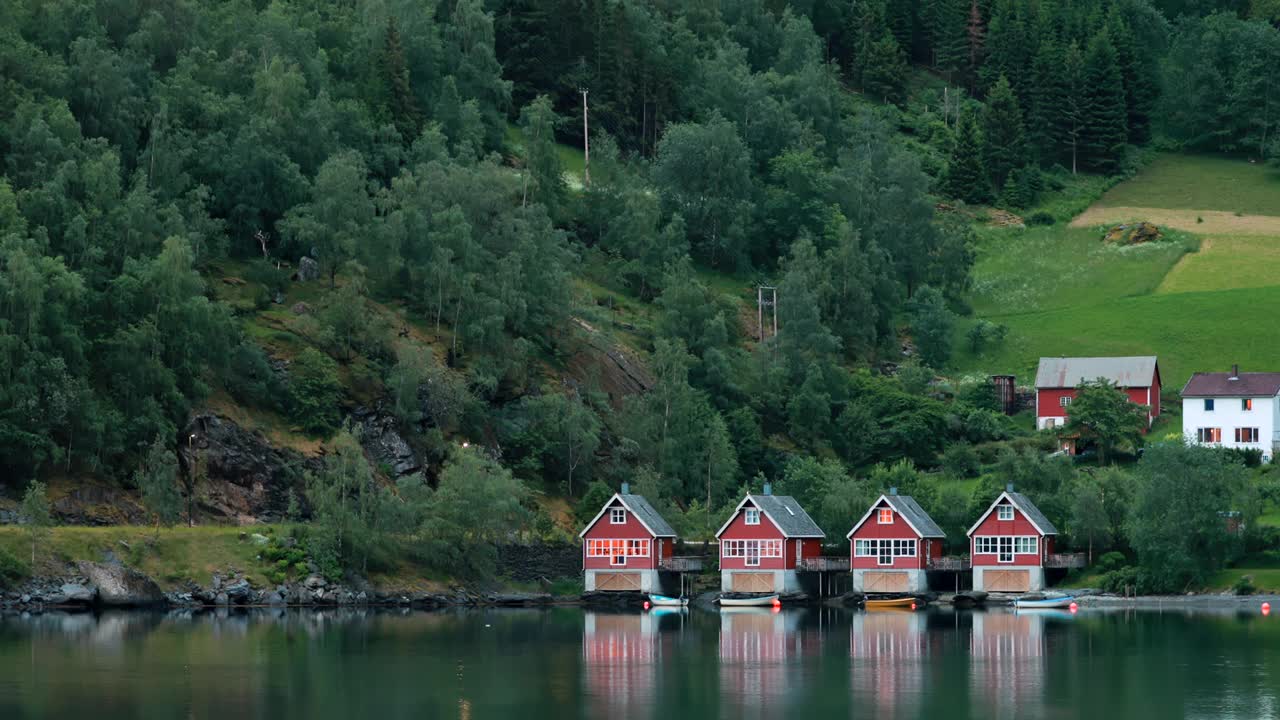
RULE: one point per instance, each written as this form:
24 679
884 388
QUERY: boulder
119 586
381 438
275 599
300 308
79 594
308 270
1133 234
239 592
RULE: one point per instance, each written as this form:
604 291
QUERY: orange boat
906 603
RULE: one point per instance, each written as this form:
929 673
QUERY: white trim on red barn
634 514
1025 514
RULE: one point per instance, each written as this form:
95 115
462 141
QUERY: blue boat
1051 603
665 601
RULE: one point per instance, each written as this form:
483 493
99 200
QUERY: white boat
761 601
665 601
1044 603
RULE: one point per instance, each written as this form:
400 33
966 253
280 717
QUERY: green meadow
1199 299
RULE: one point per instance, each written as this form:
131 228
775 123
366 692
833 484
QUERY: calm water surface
567 663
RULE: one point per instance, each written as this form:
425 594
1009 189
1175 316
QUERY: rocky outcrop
95 504
381 438
1133 234
619 372
241 475
308 270
119 586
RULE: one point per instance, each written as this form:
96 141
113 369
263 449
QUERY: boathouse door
618 582
885 582
751 582
1006 580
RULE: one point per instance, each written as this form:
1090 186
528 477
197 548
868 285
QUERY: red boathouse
892 545
1009 545
763 542
624 546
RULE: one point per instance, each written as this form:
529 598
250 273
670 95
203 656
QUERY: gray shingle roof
1032 512
649 516
1059 372
907 507
1255 384
787 514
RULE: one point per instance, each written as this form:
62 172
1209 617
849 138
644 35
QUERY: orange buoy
646 604
1073 607
1266 608
777 602
913 606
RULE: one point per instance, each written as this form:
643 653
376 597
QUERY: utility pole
586 143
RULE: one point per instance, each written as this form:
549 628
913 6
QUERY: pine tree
1068 117
965 177
948 35
401 103
975 44
1004 137
1104 114
1138 75
1046 103
884 69
1009 49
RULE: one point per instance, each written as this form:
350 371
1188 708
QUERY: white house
1233 410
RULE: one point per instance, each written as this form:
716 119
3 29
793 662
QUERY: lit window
752 516
884 550
1208 404
1209 435
1064 401
885 516
618 516
1246 404
1004 512
1246 435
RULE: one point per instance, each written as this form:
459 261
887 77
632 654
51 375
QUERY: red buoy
646 604
913 606
1073 607
1266 608
777 602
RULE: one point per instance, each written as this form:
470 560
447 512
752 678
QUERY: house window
1209 435
1064 401
1246 435
884 550
753 516
1024 545
884 516
752 550
984 545
1004 553
1004 512
1246 404
1208 404
618 516
617 550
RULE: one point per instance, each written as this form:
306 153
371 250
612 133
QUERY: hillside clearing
1186 182
1197 221
1224 263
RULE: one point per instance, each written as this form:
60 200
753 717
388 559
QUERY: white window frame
1252 433
751 516
618 550
1026 545
885 550
1203 435
1064 401
1004 512
984 545
1004 549
882 513
617 516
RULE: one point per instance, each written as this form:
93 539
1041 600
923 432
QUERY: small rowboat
761 601
905 603
665 601
1044 603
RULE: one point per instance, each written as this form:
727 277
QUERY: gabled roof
910 510
1026 507
644 512
1125 372
785 513
1255 384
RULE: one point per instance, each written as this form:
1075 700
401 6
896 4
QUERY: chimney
893 491
768 488
626 488
1008 488
1235 372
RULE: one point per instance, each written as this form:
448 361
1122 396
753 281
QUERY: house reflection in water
890 652
1007 668
761 650
620 655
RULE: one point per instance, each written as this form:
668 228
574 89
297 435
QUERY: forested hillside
275 212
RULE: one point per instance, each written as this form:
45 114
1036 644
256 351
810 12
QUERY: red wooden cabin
1009 545
624 545
892 545
1057 379
763 541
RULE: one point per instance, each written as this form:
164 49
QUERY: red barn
1057 379
763 541
892 545
1009 545
623 547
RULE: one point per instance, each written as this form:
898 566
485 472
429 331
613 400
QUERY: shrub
960 460
1244 586
1131 578
1040 217
314 392
1110 561
12 570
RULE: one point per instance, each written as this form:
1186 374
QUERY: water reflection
761 658
890 650
1008 661
620 657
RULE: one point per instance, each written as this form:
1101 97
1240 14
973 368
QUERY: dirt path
1212 221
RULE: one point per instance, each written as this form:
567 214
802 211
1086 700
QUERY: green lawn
1226 262
1057 266
1200 182
571 158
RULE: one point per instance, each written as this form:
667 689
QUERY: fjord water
570 663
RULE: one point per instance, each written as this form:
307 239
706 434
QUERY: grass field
1200 300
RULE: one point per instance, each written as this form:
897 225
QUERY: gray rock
315 581
275 599
119 586
381 438
308 270
239 592
278 299
221 599
78 593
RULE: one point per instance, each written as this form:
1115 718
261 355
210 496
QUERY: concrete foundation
917 582
649 580
1035 577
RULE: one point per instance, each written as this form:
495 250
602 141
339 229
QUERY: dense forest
417 153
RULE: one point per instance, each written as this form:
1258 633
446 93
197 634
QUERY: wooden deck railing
826 563
682 564
1065 560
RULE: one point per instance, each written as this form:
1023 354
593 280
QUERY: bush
1040 217
1110 561
1244 586
12 570
960 460
1249 457
1133 579
314 392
